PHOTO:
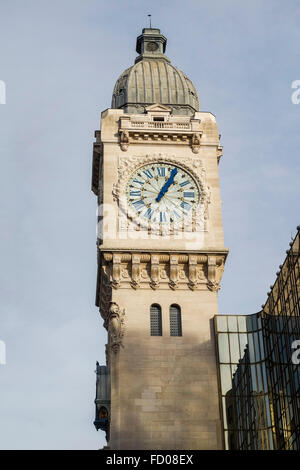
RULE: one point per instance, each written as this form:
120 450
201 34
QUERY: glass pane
269 422
251 347
226 382
256 346
259 378
249 322
259 325
224 412
226 440
261 343
254 322
243 343
242 324
232 323
223 347
234 347
253 378
271 440
222 323
264 373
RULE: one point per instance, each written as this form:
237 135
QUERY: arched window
175 321
155 320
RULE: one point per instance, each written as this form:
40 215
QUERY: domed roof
153 79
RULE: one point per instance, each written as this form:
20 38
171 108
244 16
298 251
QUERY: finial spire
149 16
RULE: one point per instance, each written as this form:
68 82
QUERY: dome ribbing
153 79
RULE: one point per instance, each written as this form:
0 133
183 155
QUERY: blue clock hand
167 184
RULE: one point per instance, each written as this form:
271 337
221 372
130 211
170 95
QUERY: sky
59 61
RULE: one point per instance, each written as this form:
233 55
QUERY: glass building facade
259 374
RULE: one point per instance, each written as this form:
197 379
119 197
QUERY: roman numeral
135 193
161 171
185 206
138 204
149 213
185 183
162 217
148 173
189 194
138 182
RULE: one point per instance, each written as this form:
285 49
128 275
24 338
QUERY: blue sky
60 60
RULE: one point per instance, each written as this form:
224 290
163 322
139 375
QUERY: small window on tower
155 320
158 118
103 413
175 321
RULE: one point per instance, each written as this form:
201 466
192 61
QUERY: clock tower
161 256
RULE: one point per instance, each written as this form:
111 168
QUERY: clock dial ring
162 194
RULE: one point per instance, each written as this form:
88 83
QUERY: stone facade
164 392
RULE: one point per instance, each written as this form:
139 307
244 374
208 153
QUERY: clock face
161 193
152 46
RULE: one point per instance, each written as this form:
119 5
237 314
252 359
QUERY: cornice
128 269
211 251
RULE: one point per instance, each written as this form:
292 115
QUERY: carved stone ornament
214 272
213 286
196 143
155 275
190 164
105 292
193 274
124 140
116 277
174 272
116 326
158 271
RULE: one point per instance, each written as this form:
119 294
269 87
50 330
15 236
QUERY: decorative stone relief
173 272
124 140
135 271
125 273
116 326
196 143
116 280
163 273
192 165
193 277
158 271
168 131
145 274
182 274
155 278
105 292
214 272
